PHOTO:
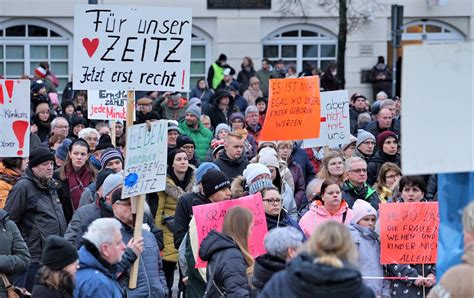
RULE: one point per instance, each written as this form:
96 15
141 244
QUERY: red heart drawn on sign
90 45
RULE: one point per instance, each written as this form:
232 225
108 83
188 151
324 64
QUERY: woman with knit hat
179 181
60 262
387 144
74 176
367 241
78 123
237 123
42 119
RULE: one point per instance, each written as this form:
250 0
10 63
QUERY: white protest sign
335 122
14 118
107 104
131 47
436 136
146 159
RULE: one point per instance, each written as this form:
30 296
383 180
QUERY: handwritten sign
211 217
409 233
14 118
146 159
107 104
131 47
293 110
335 122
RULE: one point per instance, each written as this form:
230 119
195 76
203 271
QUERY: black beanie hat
183 140
65 103
104 142
58 253
40 155
78 120
172 154
102 176
213 181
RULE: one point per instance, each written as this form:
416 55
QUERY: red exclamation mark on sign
19 128
9 85
1 95
182 80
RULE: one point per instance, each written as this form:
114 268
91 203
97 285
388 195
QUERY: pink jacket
318 213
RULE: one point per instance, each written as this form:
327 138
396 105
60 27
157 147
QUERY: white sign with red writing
107 104
14 118
132 47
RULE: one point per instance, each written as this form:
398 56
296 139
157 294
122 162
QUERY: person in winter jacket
227 253
202 92
193 127
150 279
329 80
179 181
264 76
384 122
228 80
187 144
11 169
284 149
33 204
245 74
261 103
281 245
299 156
413 189
98 258
387 181
367 241
356 187
381 77
232 160
74 176
330 207
357 107
215 74
237 123
365 145
42 120
174 107
251 121
222 107
325 269
14 255
387 144
56 277
454 282
253 92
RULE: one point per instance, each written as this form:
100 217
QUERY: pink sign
211 217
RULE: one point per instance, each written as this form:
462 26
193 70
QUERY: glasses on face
188 147
273 201
62 126
358 171
392 176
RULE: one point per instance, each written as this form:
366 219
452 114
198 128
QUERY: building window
200 56
26 43
301 46
431 32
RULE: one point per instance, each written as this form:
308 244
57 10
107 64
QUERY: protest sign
409 233
335 122
131 47
15 118
294 111
107 104
146 159
211 217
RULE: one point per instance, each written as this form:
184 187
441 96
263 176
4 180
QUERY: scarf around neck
77 181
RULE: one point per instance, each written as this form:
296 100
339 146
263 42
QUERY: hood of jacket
8 175
213 243
277 221
231 162
265 266
320 280
3 216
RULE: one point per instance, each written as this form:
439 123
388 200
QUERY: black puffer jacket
265 266
40 289
304 278
376 162
226 266
14 255
232 168
37 211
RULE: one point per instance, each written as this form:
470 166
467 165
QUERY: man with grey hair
251 118
281 245
59 126
356 187
102 250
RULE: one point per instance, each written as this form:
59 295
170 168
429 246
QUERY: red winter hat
40 72
383 136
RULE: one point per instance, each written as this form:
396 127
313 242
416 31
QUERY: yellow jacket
8 178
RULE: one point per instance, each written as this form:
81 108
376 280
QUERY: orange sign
294 110
409 233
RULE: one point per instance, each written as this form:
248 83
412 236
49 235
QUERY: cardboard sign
146 159
211 217
409 233
14 118
335 122
294 111
131 47
107 104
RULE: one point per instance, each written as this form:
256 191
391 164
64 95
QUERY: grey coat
14 254
368 246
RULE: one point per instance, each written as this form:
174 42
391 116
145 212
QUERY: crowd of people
67 231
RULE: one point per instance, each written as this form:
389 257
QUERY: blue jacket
93 279
151 281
